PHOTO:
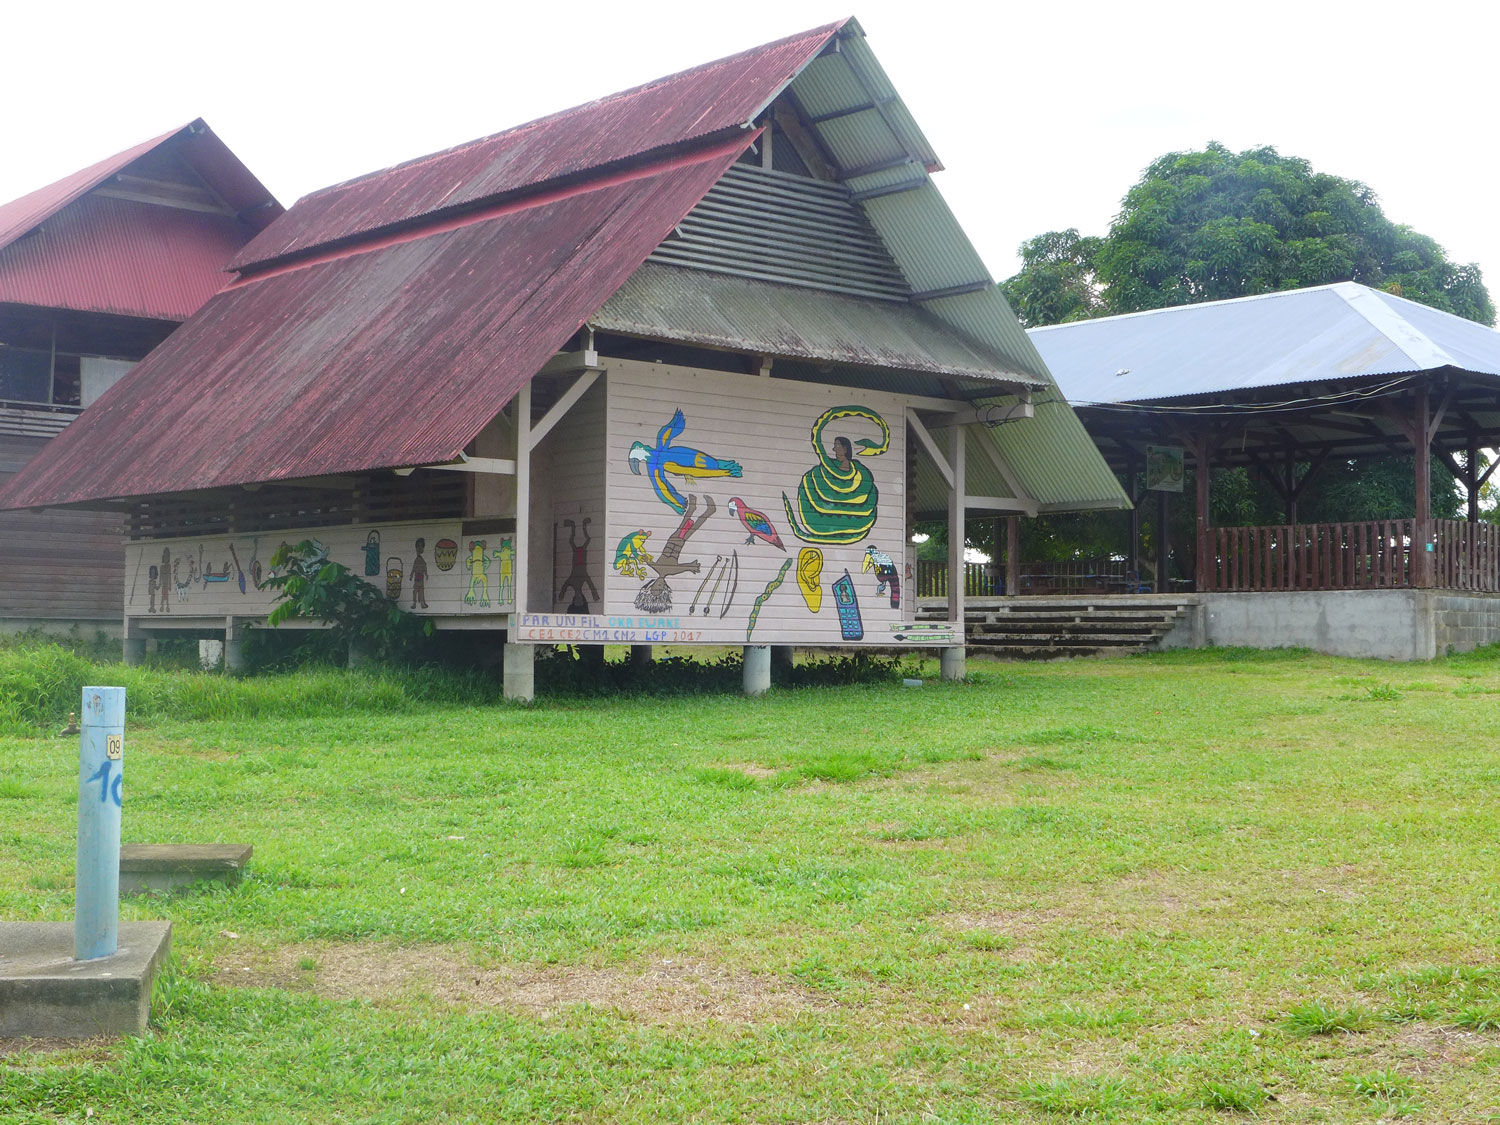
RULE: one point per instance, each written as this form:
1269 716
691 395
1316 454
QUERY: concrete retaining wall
1383 624
1464 621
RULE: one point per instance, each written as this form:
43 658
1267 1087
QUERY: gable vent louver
772 226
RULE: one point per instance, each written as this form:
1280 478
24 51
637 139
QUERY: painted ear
674 427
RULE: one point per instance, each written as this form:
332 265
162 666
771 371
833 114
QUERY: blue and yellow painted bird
679 461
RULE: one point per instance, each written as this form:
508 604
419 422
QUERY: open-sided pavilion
1285 383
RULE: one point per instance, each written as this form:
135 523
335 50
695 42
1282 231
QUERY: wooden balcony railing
1310 556
1466 556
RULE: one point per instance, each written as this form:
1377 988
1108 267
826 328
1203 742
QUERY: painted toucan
755 523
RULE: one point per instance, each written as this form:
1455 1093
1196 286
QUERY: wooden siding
567 474
223 575
765 428
57 565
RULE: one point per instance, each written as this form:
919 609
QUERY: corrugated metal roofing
693 104
124 257
68 246
1329 332
395 356
720 311
302 379
196 144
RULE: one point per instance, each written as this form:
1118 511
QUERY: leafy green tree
1205 226
1057 282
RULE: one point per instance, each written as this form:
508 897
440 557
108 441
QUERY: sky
1043 114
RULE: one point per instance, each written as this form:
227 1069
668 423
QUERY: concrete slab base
45 993
165 868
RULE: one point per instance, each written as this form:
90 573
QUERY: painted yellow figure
478 563
505 586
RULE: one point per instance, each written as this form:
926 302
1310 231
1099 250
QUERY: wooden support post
1471 479
1203 478
1421 435
1163 543
1012 555
523 499
956 526
1133 548
994 573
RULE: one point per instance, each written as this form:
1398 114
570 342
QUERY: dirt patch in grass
664 991
749 769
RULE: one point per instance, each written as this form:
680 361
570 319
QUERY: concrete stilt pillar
358 654
133 650
234 647
640 655
952 663
520 672
757 669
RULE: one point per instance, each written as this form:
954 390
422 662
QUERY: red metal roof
692 104
63 247
397 353
120 256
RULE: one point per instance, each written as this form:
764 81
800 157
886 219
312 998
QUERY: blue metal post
101 781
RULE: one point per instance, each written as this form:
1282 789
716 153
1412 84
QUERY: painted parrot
679 461
755 523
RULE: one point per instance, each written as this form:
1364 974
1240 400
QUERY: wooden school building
95 271
682 366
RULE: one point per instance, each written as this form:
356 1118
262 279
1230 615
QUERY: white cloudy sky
1044 114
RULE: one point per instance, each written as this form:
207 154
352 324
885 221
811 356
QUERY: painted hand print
631 555
755 523
810 577
679 461
886 574
771 587
837 499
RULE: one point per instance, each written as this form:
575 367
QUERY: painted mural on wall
724 533
415 565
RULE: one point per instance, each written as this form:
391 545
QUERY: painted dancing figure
656 596
578 577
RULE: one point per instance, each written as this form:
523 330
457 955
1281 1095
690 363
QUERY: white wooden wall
765 427
217 575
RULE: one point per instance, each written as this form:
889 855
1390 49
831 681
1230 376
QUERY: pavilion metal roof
1326 333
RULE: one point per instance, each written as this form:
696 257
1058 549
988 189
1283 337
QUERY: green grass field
1186 887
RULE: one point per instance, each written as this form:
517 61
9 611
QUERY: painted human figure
163 605
153 583
578 576
656 596
372 554
419 578
505 585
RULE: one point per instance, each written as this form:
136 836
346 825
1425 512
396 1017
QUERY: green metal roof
881 148
741 314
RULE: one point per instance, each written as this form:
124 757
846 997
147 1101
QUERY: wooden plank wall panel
223 575
567 472
61 564
765 427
